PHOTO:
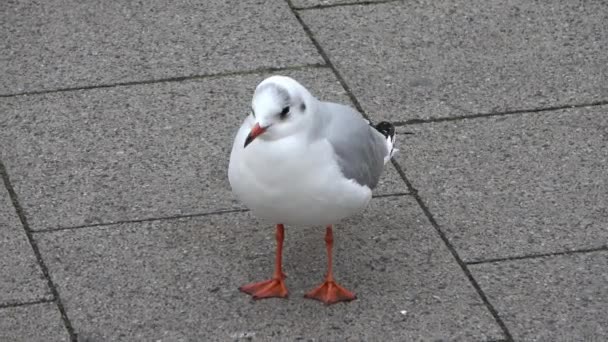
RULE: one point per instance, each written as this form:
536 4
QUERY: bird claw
330 292
266 289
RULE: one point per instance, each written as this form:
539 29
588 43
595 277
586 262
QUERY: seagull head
280 107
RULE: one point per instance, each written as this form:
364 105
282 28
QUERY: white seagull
299 161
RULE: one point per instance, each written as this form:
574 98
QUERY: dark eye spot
303 107
283 113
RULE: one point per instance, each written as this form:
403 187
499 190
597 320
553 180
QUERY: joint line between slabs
45 271
455 254
345 4
20 304
327 61
396 194
149 219
538 256
167 80
175 217
502 113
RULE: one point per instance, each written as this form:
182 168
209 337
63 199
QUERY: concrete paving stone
560 298
177 280
69 43
310 3
515 185
391 182
124 153
32 323
421 59
21 279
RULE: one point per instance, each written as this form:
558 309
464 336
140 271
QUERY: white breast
292 181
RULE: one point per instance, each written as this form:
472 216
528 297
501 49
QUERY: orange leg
330 292
274 287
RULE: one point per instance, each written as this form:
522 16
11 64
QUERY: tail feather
388 130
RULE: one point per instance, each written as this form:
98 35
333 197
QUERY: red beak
255 132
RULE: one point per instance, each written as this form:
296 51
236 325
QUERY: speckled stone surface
178 279
558 298
32 323
21 279
58 44
420 59
515 185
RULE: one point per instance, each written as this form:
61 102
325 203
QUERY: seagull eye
283 113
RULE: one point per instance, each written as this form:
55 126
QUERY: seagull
299 161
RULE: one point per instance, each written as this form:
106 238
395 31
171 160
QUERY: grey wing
360 149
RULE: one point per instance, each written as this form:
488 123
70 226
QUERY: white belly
294 183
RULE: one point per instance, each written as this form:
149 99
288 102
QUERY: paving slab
32 323
515 185
560 298
177 280
125 153
58 44
420 59
21 279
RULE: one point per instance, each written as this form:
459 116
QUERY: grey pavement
543 170
40 322
22 279
116 218
165 284
407 60
65 44
562 298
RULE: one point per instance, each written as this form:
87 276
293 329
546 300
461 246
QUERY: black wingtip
386 128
